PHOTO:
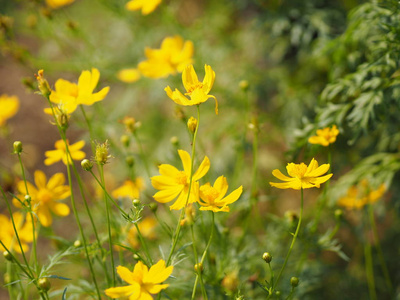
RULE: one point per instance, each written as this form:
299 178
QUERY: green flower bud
28 199
77 243
125 141
17 147
338 214
174 140
294 281
136 202
267 257
44 284
198 267
136 257
153 207
86 164
7 255
244 85
130 161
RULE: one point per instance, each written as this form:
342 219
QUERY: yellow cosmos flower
196 90
7 233
325 136
302 176
142 281
360 195
173 56
60 153
129 75
130 189
214 196
173 183
54 4
147 6
9 106
45 195
69 95
147 228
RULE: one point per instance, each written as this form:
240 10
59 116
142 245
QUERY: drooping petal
180 202
215 208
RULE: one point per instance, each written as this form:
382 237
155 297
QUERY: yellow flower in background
147 6
129 75
9 106
54 4
7 233
60 153
302 176
213 197
325 136
147 228
360 195
173 183
69 95
142 281
196 90
45 196
173 56
130 189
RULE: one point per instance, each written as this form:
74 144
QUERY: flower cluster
360 195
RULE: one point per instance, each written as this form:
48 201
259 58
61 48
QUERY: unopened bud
198 267
125 141
17 147
28 199
77 243
136 202
153 207
338 214
174 140
7 255
86 164
43 85
44 284
136 257
267 257
192 124
244 85
278 293
294 281
130 161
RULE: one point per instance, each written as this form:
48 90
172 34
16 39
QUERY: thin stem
89 127
178 227
369 270
195 259
143 242
144 157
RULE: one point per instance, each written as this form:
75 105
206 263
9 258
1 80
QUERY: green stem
143 242
89 127
369 270
178 227
144 157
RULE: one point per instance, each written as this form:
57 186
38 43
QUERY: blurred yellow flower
325 136
130 189
7 233
45 195
173 183
142 281
196 90
69 95
147 6
360 195
147 228
173 56
9 106
129 75
60 153
214 196
54 4
302 176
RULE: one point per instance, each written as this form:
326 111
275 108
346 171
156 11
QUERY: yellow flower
142 281
302 176
196 90
173 183
173 56
360 195
325 136
69 95
45 195
129 189
7 233
60 153
147 6
147 229
54 4
128 75
213 196
9 106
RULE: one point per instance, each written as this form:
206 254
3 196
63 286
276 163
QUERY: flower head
45 196
196 90
9 106
142 281
54 4
69 95
302 176
147 6
173 183
60 153
7 233
129 189
360 195
325 136
213 197
173 56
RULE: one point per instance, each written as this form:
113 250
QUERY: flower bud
267 257
136 202
153 207
101 155
125 141
130 161
17 147
86 164
338 214
174 140
7 255
43 85
198 267
192 124
77 244
129 123
28 199
294 281
44 284
278 293
244 85
136 257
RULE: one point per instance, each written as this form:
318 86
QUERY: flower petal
186 161
189 77
158 273
278 174
125 274
168 195
202 170
124 291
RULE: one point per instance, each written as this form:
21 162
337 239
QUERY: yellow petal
44 215
125 274
168 170
296 185
140 271
202 170
56 180
168 195
60 209
278 174
209 79
162 182
189 77
158 273
128 75
232 197
221 185
180 202
123 291
40 179
186 161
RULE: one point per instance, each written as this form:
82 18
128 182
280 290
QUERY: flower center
182 178
196 86
297 170
209 194
44 196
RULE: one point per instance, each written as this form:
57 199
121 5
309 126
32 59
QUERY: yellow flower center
196 86
297 170
209 194
44 196
182 178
